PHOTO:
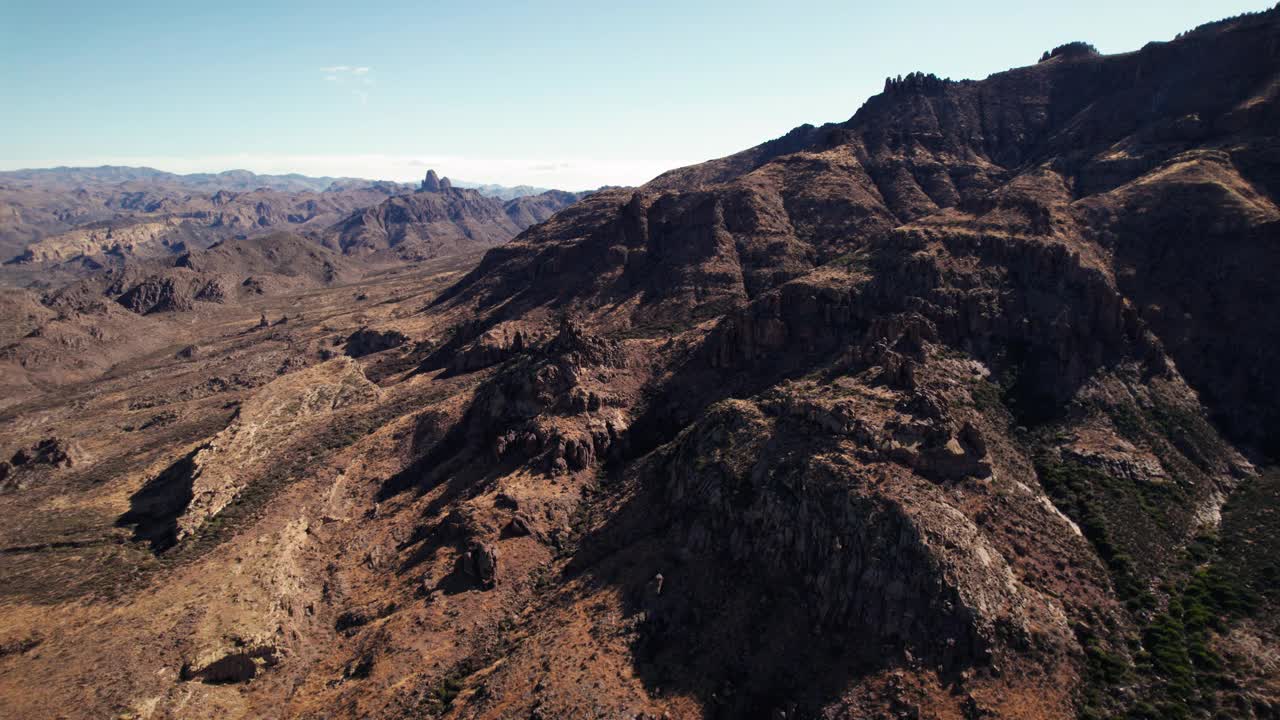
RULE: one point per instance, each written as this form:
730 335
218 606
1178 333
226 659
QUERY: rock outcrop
144 238
367 341
480 562
29 464
431 183
178 501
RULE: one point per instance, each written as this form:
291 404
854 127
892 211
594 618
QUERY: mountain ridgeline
78 216
440 219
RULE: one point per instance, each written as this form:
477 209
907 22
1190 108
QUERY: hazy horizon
550 96
460 182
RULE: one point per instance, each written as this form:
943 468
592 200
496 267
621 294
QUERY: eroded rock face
198 486
236 667
176 292
157 295
889 555
51 451
144 237
560 405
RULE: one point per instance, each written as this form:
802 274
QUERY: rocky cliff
931 381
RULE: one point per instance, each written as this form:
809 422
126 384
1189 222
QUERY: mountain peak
434 183
1076 49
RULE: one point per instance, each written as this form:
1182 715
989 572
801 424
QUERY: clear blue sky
550 93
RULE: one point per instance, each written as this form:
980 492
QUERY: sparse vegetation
1177 656
1176 669
1081 493
987 397
442 695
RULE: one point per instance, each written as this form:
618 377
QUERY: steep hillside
279 254
528 210
938 388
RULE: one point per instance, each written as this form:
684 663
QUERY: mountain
72 216
961 408
441 219
502 192
234 180
528 210
48 223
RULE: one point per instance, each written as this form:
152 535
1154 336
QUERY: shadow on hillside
743 643
155 508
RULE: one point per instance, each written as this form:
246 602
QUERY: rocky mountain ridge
62 215
440 219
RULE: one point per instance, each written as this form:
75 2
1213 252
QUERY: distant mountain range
502 192
228 180
234 180
55 215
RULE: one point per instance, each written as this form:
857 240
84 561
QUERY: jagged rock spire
435 183
431 183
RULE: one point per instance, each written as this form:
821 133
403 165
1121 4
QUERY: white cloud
340 74
341 71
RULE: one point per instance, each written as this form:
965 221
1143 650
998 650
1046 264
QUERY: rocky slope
961 408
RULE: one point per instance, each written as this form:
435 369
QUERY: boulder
480 562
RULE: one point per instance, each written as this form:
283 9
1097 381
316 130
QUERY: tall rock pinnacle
431 183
